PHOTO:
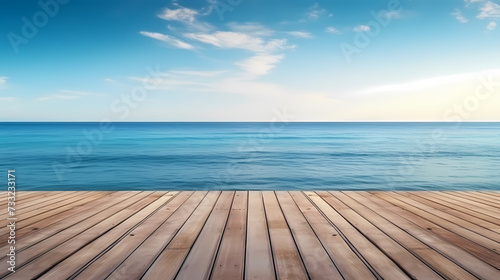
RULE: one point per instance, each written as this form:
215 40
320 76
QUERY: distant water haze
260 156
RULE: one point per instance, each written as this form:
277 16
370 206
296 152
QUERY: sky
249 60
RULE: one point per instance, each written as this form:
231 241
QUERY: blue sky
235 60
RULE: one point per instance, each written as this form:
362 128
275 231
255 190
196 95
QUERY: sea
251 155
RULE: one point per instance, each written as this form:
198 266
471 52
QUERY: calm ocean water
293 156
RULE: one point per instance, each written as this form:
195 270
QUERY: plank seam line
118 240
390 237
397 197
436 200
201 230
315 234
27 247
26 225
118 265
269 236
173 236
220 240
343 236
291 233
432 247
83 246
448 199
43 253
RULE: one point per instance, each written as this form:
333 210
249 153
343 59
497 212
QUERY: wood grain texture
255 235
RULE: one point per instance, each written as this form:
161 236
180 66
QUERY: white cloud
185 16
58 96
300 34
3 81
251 28
182 14
315 12
165 81
260 64
491 26
169 40
197 73
391 15
459 16
332 30
237 40
361 28
469 2
429 82
7 99
75 92
489 10
67 95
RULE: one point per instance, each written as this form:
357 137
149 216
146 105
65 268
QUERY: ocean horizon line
255 121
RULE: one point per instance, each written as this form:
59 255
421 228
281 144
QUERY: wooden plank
286 256
43 207
102 266
28 225
476 209
449 204
230 262
39 202
486 200
400 230
201 257
33 246
81 218
141 259
43 227
316 259
233 235
130 215
467 229
456 254
25 196
468 202
259 260
385 255
477 250
170 260
127 231
456 213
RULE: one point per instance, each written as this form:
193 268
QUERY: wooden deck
254 235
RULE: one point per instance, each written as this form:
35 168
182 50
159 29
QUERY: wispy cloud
300 34
59 96
77 92
251 28
186 16
429 82
489 10
469 2
391 15
260 64
315 12
66 95
362 28
8 99
3 80
172 41
459 16
236 40
333 30
197 73
491 26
